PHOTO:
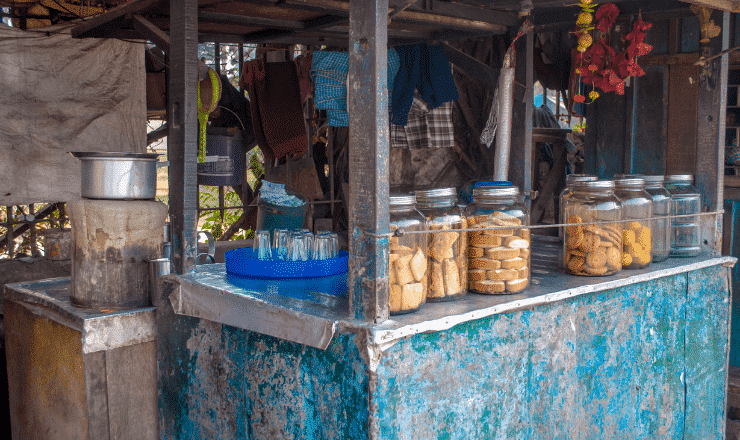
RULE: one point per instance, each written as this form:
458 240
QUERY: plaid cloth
329 73
425 128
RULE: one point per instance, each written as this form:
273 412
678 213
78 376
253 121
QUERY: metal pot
128 176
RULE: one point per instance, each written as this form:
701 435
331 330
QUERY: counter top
100 329
307 313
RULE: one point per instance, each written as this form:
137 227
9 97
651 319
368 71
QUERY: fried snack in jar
637 224
592 240
448 260
501 247
408 258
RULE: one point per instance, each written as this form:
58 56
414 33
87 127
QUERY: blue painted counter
640 355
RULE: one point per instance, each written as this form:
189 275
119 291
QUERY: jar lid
594 184
653 178
492 183
438 192
570 178
628 176
401 199
496 191
680 178
630 182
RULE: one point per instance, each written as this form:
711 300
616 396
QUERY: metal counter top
100 330
300 312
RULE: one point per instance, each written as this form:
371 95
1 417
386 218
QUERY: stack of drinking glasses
294 245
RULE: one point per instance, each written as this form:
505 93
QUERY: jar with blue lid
448 263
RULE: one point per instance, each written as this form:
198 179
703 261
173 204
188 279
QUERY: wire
401 231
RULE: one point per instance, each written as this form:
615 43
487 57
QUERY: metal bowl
119 176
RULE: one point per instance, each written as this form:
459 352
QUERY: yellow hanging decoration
204 112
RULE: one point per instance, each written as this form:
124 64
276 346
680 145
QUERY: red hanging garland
597 62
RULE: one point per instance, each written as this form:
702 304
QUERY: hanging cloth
425 128
275 101
426 69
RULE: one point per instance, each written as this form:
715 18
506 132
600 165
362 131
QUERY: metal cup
261 246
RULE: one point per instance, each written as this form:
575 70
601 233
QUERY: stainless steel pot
110 175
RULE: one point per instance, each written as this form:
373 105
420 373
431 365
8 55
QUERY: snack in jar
637 228
408 257
448 263
570 179
498 255
592 238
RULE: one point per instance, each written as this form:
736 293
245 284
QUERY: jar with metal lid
409 256
448 263
637 228
498 256
685 200
661 222
570 179
592 242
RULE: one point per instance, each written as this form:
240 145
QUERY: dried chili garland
597 62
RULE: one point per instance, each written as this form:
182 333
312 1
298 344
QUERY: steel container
118 176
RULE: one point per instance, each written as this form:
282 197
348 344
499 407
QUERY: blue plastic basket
241 262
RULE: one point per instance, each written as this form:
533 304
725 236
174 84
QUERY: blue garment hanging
426 69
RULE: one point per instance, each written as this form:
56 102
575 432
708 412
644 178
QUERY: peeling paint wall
646 361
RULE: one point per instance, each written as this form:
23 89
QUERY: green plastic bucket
271 216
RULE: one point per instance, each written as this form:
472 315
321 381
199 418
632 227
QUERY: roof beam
101 26
152 33
407 16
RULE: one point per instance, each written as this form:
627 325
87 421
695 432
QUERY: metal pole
368 159
182 142
9 235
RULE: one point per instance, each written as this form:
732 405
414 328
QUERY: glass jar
409 256
685 200
661 221
637 228
448 263
592 244
570 179
498 259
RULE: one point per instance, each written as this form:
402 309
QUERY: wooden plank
343 7
131 375
154 34
102 25
520 162
469 12
650 122
368 161
96 395
182 142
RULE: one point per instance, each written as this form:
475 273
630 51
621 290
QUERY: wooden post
182 141
368 159
710 133
520 162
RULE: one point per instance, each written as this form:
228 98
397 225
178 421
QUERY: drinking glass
321 248
297 247
280 243
261 245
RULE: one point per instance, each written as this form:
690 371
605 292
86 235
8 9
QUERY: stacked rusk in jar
448 265
408 258
499 254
